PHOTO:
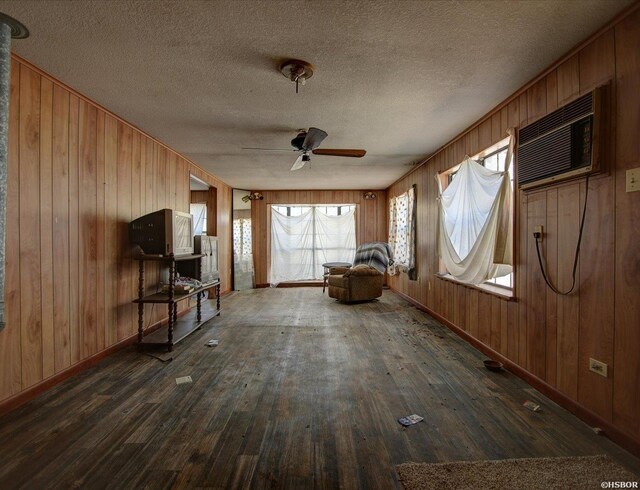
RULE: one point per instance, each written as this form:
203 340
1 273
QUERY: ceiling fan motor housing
298 141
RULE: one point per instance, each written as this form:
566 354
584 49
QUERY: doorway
203 207
203 203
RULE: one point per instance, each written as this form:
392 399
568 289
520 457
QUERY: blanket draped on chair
376 254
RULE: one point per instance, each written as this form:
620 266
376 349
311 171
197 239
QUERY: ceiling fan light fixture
297 71
18 29
254 196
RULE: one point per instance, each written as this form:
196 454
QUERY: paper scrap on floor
211 343
184 379
410 420
534 407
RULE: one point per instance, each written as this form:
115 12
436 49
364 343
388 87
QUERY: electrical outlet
539 229
633 180
598 367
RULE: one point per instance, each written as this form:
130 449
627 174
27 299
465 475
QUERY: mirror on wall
243 276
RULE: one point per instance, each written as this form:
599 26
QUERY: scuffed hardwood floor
302 392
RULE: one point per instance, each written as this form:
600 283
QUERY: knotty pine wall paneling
77 175
552 337
371 219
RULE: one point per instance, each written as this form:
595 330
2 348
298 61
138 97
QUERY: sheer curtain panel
301 244
475 222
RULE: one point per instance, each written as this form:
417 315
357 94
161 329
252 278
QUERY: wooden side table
327 266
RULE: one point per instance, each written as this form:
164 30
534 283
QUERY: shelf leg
170 328
140 296
199 296
199 307
171 305
218 299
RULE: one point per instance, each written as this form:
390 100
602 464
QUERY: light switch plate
598 367
633 179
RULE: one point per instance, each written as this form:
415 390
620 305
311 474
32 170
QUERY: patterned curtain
402 232
242 247
242 235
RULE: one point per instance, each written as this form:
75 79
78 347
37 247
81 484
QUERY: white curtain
301 244
402 229
475 222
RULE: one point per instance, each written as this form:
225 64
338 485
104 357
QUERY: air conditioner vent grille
579 107
545 157
582 106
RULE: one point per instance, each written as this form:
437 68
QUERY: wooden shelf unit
171 299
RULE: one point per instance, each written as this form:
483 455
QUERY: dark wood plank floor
302 392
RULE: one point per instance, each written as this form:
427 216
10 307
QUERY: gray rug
535 473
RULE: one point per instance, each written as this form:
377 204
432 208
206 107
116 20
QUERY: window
304 237
462 239
199 212
333 210
402 232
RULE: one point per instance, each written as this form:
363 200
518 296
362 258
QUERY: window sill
503 293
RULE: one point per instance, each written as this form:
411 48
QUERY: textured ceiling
398 78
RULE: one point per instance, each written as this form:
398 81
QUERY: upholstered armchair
359 283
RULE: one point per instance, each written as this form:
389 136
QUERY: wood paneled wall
552 337
371 219
77 176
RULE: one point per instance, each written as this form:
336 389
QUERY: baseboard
293 284
587 416
30 393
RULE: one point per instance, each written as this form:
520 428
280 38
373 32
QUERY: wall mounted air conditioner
567 143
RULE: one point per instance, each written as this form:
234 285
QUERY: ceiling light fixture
297 71
254 196
18 30
369 195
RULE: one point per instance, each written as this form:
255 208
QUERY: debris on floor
597 430
183 379
211 343
534 407
410 420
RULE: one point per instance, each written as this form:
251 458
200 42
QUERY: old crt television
207 246
165 232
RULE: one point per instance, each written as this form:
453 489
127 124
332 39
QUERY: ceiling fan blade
313 139
270 149
340 153
298 164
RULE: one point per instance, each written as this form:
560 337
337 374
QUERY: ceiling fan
307 142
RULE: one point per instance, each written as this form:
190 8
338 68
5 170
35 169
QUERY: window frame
446 177
279 206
